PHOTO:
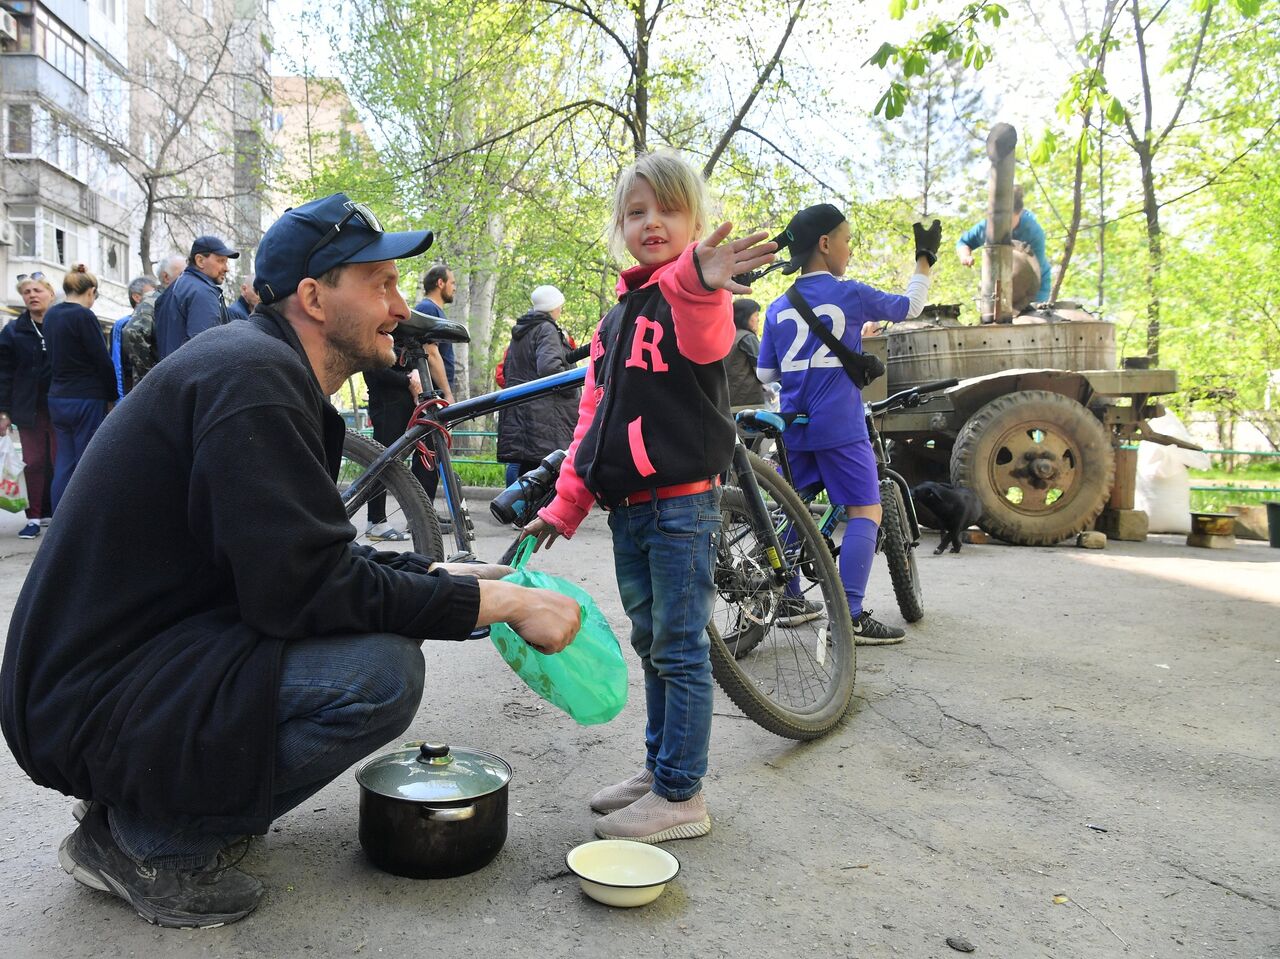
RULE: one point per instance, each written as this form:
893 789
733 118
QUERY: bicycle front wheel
408 512
784 656
900 554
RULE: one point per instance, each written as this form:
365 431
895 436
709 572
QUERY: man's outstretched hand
719 262
928 240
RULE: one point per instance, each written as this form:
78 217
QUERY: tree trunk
1155 257
1077 204
640 81
484 286
1102 219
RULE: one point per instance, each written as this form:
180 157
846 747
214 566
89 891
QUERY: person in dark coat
241 652
745 389
242 305
194 302
24 397
529 431
392 400
82 387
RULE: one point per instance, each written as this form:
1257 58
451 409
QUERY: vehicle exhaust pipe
995 303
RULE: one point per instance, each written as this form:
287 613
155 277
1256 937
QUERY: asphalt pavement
1073 755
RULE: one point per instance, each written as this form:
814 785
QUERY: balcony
27 76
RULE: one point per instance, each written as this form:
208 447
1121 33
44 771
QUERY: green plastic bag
588 678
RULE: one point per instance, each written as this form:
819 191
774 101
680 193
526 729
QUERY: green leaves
893 101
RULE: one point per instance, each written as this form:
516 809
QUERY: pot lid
425 772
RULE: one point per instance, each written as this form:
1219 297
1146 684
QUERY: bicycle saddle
433 329
768 422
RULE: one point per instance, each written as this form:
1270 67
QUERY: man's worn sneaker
654 819
622 794
213 895
30 531
872 632
794 610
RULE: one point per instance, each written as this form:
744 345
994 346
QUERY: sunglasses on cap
354 209
37 275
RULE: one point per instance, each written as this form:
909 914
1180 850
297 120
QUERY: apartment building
128 127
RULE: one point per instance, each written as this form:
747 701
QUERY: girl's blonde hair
79 281
676 184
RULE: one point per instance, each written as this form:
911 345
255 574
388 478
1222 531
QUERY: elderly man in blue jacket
1025 228
194 302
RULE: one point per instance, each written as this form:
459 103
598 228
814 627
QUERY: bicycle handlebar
911 397
580 353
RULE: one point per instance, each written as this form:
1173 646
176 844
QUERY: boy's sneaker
178 898
384 532
654 819
794 610
872 632
623 794
30 531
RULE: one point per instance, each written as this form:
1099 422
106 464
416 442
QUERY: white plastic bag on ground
1163 489
13 483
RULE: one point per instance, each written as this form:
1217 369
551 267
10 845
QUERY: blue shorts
848 473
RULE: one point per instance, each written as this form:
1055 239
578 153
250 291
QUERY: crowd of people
246 651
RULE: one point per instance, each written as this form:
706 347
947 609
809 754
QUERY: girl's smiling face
653 235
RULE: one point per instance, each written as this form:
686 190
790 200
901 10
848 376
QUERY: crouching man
199 646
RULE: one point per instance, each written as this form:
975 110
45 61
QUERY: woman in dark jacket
529 431
83 385
745 389
24 397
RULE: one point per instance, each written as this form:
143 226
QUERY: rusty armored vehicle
1037 424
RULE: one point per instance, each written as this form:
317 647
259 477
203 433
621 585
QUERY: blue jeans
341 697
664 553
74 423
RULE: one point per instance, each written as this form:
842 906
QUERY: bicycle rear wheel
900 554
408 509
793 678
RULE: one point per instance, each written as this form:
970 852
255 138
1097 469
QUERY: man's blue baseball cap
312 239
212 244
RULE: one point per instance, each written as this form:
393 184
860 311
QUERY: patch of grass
481 474
1203 501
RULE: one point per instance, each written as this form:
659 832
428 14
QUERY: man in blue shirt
833 451
194 302
439 285
1025 228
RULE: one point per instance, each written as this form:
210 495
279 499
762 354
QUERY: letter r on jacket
641 344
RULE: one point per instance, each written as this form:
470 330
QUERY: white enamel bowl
619 872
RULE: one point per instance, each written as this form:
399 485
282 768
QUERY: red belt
666 492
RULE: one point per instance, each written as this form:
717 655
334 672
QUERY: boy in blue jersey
833 450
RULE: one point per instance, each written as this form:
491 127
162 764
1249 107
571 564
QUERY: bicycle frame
431 426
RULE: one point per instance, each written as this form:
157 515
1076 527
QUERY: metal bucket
937 352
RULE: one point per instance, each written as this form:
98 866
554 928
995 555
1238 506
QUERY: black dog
955 507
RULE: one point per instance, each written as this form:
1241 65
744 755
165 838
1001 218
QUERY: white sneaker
384 532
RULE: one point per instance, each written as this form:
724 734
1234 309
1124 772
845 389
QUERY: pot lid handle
434 754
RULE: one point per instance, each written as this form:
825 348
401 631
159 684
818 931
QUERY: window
152 9
23 218
63 239
113 259
208 12
18 138
43 34
107 8
171 48
149 149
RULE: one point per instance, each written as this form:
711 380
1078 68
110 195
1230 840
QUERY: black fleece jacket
201 532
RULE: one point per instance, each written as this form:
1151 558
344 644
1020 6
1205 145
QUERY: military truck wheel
1040 462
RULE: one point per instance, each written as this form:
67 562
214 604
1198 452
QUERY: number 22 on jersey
822 358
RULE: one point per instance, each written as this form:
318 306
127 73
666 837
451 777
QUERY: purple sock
857 552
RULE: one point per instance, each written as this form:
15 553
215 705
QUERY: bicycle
770 546
375 468
772 634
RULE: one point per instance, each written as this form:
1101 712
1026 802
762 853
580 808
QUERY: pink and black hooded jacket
655 405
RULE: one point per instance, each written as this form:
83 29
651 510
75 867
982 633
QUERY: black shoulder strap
861 368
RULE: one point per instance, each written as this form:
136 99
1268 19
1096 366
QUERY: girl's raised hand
719 262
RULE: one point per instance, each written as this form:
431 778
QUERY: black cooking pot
429 812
